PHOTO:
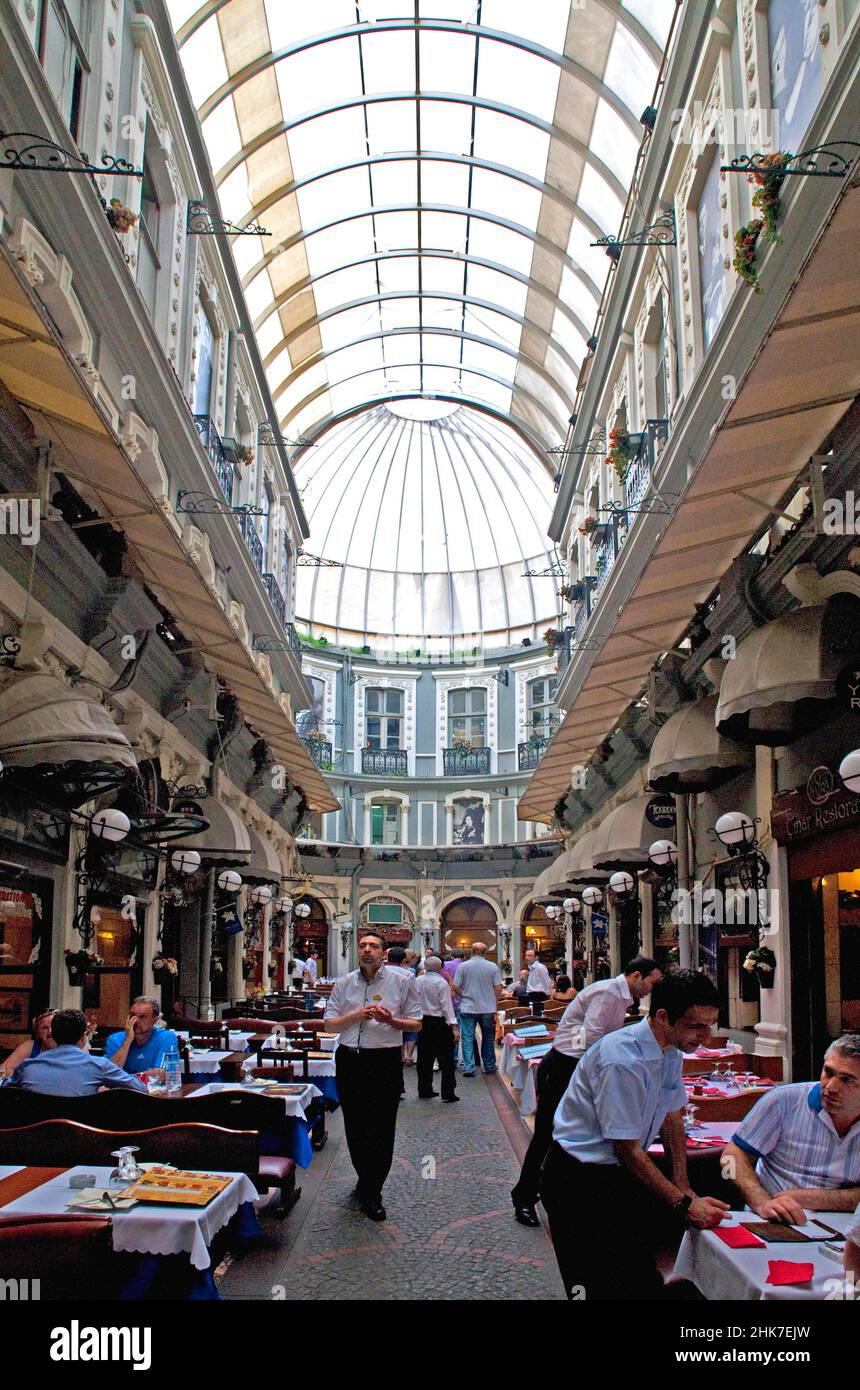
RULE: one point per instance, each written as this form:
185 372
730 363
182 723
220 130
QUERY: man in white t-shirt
479 986
311 969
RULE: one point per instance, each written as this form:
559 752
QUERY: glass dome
432 524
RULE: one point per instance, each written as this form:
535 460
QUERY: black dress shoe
449 1100
527 1216
374 1209
427 1095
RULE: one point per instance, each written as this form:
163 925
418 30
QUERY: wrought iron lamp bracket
47 157
661 232
207 504
199 221
267 438
821 162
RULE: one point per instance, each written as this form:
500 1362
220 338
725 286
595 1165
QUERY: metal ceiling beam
508 351
611 7
412 253
452 209
501 108
468 161
569 66
541 406
387 295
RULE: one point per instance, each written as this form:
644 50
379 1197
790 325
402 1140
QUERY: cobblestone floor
451 1236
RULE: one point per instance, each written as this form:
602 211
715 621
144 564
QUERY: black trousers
552 1079
537 999
435 1044
368 1083
605 1227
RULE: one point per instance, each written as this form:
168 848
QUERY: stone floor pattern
449 1236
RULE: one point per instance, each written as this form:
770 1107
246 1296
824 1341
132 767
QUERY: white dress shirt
597 1010
311 969
298 968
392 988
539 981
434 995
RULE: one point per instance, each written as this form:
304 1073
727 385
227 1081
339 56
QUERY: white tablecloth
720 1273
147 1228
521 1075
203 1063
7 1169
315 1067
753 1084
238 1041
296 1106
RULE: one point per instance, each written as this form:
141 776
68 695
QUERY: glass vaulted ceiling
432 173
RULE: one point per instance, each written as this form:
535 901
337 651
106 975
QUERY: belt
365 1051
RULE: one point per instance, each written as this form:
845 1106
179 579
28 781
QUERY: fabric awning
39 373
581 866
44 722
227 842
553 877
782 682
623 839
264 866
690 755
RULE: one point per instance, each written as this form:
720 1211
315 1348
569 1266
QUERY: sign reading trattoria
660 812
819 808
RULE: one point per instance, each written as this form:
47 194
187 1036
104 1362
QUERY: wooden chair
71 1255
64 1143
716 1108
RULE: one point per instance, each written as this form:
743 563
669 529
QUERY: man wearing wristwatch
607 1201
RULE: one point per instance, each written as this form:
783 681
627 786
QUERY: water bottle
173 1068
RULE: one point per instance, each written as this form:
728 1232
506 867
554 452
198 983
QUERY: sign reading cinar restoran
819 808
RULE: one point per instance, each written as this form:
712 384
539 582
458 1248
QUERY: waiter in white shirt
539 984
439 1032
370 1008
596 1011
298 972
311 969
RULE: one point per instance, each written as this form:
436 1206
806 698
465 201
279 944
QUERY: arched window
467 920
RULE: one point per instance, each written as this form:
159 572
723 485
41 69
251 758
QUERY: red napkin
711 1091
737 1237
788 1272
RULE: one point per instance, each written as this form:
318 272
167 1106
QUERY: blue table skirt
328 1086
294 1141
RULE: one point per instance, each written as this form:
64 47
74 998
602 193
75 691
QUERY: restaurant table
323 1072
703 1140
295 1140
238 1041
521 1071
721 1273
150 1229
205 1063
750 1083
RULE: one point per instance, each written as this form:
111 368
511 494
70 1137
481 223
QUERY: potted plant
553 638
81 963
620 453
121 218
166 963
245 455
763 961
589 525
572 593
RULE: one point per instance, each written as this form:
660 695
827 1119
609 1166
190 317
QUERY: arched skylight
435 524
432 173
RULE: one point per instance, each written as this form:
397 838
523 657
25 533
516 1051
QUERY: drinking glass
126 1169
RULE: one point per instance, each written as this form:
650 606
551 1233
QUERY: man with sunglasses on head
371 1008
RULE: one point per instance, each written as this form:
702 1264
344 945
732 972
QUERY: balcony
605 554
529 754
293 640
563 648
279 603
385 762
211 441
642 463
320 751
466 762
252 541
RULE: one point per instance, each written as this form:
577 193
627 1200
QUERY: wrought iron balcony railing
466 762
279 603
652 437
385 762
293 639
252 541
564 649
320 751
211 441
529 754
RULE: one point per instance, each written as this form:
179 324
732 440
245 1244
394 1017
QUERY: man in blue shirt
142 1046
68 1069
608 1204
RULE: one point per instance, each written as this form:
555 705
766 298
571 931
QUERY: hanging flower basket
589 524
81 963
168 964
553 638
766 201
121 218
763 961
620 453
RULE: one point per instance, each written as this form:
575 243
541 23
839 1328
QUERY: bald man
479 985
438 1033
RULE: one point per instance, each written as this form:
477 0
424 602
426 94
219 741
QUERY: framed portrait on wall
469 822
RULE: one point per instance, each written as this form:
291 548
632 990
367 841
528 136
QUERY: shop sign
819 808
660 812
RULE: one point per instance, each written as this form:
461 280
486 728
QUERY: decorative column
404 821
774 1027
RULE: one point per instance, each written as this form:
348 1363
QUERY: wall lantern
735 830
592 897
663 854
111 825
849 771
622 884
302 910
185 861
229 881
261 896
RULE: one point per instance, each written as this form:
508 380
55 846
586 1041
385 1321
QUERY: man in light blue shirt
141 1046
607 1201
479 987
68 1069
798 1149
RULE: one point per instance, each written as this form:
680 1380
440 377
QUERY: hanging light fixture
282 904
185 861
849 771
111 825
735 829
302 910
229 881
261 896
622 883
592 897
572 905
663 854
